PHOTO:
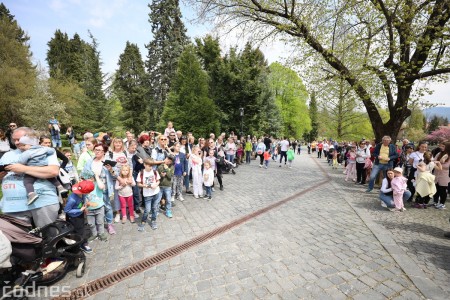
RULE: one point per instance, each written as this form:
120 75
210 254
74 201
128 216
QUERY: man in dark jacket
385 154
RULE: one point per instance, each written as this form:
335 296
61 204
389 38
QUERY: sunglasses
163 139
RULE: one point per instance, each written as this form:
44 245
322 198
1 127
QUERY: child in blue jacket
75 207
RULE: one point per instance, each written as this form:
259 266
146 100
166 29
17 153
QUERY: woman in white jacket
361 154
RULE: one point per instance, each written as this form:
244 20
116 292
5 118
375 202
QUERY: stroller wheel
80 269
234 172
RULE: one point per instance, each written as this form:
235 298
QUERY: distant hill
440 111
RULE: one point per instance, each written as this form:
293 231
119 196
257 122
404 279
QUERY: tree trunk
397 115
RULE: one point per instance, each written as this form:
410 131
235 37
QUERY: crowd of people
411 174
120 179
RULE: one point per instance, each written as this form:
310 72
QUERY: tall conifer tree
169 40
77 61
130 87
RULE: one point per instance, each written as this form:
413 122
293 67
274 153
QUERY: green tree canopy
169 40
189 106
131 89
290 97
394 43
17 73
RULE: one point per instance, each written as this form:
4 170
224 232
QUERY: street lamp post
241 113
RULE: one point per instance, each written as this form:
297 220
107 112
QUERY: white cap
26 140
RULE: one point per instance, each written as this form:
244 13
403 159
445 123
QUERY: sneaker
440 206
260 166
173 203
173 198
368 190
212 189
189 192
433 204
403 209
383 204
205 197
169 213
180 198
69 241
32 197
209 198
132 220
103 237
417 205
117 218
138 211
162 207
265 167
196 197
221 187
92 238
141 227
153 225
124 220
279 166
111 229
136 215
62 216
86 248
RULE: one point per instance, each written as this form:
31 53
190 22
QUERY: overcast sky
114 22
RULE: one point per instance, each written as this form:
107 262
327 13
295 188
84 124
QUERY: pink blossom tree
439 135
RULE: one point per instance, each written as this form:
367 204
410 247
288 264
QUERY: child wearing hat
75 206
398 184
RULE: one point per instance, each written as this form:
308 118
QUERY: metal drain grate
104 282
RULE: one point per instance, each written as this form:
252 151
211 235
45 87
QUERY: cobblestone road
334 242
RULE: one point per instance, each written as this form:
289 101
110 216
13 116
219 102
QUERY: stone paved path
334 242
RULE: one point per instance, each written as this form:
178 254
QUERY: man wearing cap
14 201
74 209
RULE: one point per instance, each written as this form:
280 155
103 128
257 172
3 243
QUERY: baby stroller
227 167
39 257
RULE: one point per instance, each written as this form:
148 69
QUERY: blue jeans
230 158
136 194
186 182
248 155
167 191
208 191
108 209
389 199
375 170
152 206
56 143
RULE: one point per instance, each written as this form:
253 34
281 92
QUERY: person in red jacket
319 150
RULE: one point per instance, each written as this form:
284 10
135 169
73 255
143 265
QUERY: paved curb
425 285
